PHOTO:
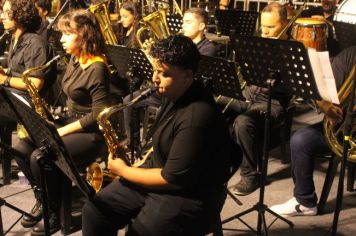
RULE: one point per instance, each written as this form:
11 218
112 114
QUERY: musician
310 141
44 8
226 4
249 123
27 49
326 11
180 189
195 21
126 29
85 84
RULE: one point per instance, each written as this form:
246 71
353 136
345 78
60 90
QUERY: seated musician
249 123
85 84
180 190
27 50
128 24
310 141
195 21
326 11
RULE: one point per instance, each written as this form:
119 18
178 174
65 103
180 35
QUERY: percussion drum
312 32
346 12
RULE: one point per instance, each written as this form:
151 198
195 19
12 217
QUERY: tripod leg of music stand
290 223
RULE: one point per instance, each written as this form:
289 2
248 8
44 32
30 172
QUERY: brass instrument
95 174
100 12
155 22
40 105
177 9
334 134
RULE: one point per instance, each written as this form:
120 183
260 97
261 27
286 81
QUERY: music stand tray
243 22
220 76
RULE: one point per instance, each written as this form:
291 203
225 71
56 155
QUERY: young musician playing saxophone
180 190
27 50
85 84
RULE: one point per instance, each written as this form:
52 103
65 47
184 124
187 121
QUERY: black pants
249 131
150 214
83 147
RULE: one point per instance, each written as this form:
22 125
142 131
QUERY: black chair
6 138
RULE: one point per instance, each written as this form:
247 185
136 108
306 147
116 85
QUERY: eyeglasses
6 13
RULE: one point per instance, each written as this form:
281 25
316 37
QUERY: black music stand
131 64
174 23
220 76
243 22
345 34
45 136
263 63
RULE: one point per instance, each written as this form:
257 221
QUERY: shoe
36 211
245 186
54 226
293 208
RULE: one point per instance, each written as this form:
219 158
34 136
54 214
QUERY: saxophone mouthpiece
146 93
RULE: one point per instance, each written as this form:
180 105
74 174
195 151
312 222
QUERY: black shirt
192 144
342 65
206 48
30 51
87 91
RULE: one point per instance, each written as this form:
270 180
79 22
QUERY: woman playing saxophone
85 83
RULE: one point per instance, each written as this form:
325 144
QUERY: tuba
95 174
334 134
155 22
100 12
40 105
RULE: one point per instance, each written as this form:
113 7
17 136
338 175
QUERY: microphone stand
346 147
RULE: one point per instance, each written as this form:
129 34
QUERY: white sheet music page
323 75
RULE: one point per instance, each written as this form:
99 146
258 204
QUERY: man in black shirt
310 141
180 190
326 11
194 25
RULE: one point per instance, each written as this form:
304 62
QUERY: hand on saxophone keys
116 165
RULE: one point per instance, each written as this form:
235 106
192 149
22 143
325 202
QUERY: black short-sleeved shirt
87 91
192 144
206 48
30 51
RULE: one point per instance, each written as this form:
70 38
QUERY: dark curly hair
25 14
83 23
177 50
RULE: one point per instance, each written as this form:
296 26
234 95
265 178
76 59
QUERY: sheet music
323 75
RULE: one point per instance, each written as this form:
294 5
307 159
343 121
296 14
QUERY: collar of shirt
86 61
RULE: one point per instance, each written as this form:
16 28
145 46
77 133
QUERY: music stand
133 65
220 76
174 23
263 63
243 22
345 34
45 135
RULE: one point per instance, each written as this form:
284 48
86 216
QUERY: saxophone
40 105
95 174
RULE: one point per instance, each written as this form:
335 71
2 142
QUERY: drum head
346 12
306 21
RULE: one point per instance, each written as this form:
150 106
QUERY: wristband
7 81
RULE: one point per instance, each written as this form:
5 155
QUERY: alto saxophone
95 174
40 105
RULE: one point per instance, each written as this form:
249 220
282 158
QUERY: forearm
70 128
145 177
17 82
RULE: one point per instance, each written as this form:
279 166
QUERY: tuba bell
155 22
101 14
334 133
